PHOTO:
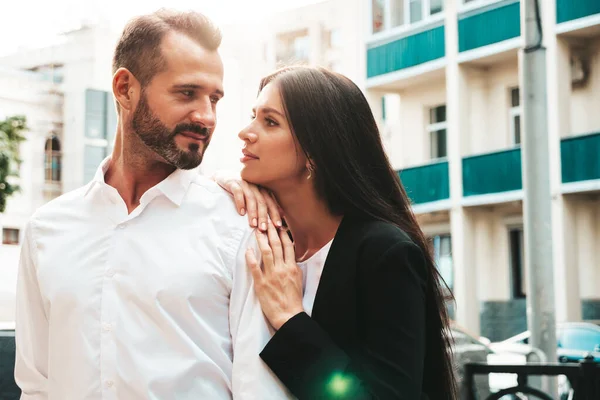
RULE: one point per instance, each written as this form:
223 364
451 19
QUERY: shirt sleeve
31 334
250 332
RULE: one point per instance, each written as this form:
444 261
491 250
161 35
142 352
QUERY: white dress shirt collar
174 187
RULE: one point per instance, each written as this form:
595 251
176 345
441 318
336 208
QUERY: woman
356 300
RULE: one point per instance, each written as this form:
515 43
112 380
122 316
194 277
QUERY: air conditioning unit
580 69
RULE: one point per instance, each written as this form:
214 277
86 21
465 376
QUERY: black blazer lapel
335 301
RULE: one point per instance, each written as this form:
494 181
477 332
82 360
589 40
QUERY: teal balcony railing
492 173
568 10
489 25
580 158
426 183
408 51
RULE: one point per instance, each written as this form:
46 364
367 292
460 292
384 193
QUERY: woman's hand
258 202
278 284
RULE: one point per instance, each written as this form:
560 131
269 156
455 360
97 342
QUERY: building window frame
515 112
11 236
434 129
439 255
52 159
518 274
426 16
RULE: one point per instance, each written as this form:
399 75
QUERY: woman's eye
270 122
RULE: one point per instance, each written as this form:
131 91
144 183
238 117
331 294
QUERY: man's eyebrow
196 87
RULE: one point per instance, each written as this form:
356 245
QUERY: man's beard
150 129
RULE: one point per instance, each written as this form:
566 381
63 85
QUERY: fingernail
254 222
263 226
242 211
278 223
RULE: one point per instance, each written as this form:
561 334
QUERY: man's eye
187 93
215 99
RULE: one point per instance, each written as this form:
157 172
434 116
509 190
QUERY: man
135 286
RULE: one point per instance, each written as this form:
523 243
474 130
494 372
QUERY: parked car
575 340
8 387
468 349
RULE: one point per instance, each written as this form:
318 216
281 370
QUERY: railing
584 378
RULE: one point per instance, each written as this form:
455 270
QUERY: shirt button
109 384
110 273
107 327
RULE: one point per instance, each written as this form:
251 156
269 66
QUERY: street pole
541 318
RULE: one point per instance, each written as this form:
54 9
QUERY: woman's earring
310 170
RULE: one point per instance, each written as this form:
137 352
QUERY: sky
36 23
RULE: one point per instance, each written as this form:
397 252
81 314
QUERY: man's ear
126 89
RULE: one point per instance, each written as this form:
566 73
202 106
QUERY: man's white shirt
156 304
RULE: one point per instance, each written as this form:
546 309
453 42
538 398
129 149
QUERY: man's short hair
139 49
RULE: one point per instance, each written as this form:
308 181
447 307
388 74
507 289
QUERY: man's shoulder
65 202
217 200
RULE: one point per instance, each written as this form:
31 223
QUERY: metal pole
541 318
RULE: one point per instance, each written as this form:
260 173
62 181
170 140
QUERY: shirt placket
109 307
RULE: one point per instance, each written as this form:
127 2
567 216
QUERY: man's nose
204 115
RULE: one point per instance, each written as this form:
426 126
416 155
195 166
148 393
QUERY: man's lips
195 136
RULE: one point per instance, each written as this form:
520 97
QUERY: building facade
443 78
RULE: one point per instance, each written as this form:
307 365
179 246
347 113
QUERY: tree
11 135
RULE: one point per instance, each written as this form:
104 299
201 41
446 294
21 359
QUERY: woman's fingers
275 243
253 265
261 208
265 250
289 253
272 207
250 202
238 197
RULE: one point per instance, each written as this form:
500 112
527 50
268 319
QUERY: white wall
587 220
585 102
489 103
406 120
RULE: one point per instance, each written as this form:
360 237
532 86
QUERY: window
515 116
580 339
301 47
293 46
10 236
517 263
442 253
389 14
437 132
100 128
436 6
416 10
334 39
378 7
397 13
52 159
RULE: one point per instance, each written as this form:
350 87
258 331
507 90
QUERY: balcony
426 183
580 158
405 52
488 25
492 173
569 10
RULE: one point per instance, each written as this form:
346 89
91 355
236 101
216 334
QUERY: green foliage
11 135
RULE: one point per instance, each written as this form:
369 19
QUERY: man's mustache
194 128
